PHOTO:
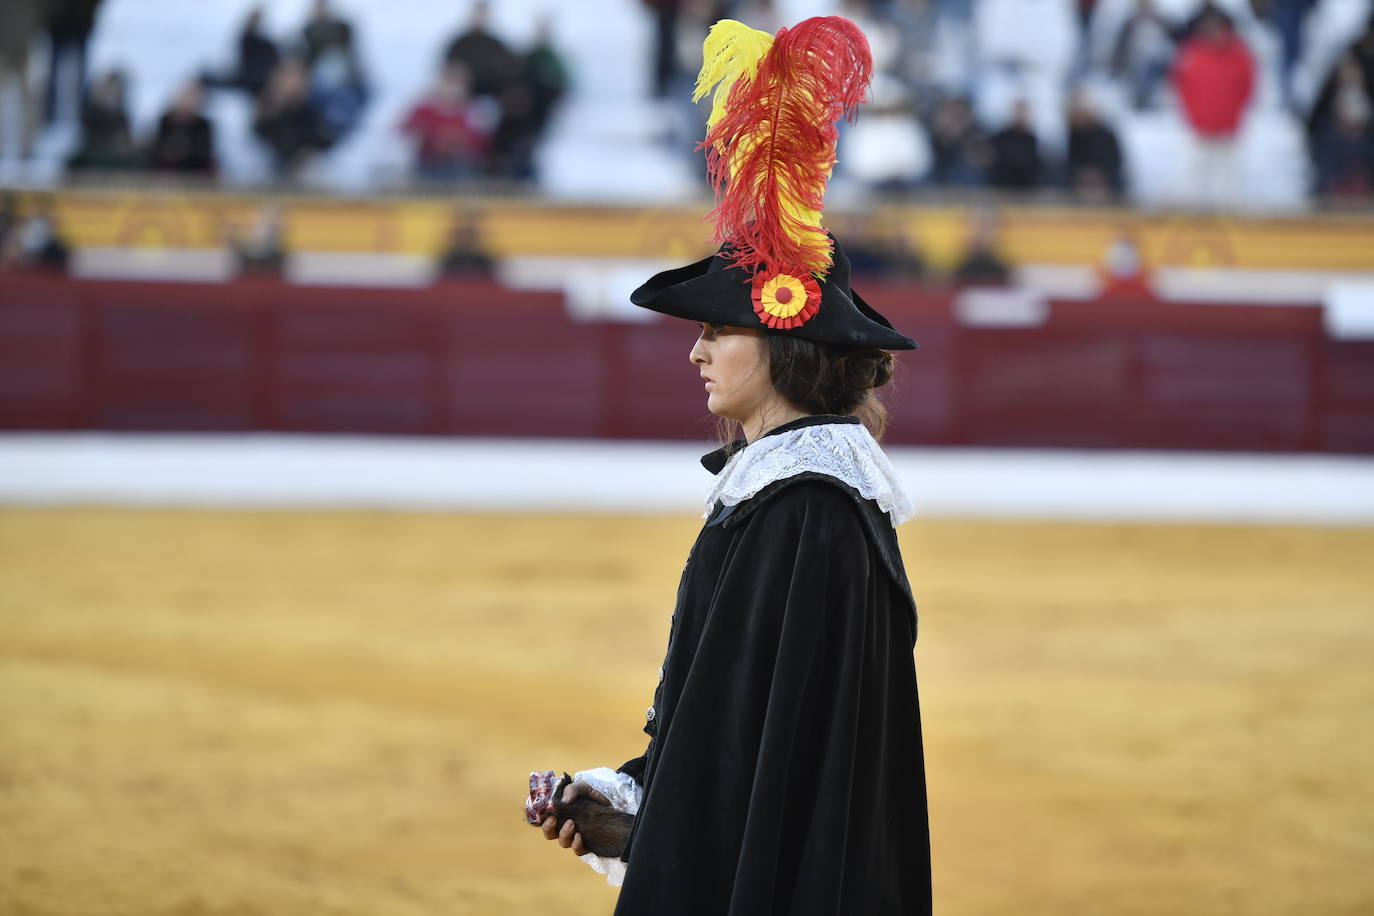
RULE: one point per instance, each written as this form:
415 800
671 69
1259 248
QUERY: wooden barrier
472 358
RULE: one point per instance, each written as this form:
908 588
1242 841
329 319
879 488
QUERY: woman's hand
568 837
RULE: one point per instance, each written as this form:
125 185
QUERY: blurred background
341 486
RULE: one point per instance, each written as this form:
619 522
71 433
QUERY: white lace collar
845 451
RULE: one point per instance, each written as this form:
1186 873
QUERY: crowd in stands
488 106
1020 96
936 59
480 119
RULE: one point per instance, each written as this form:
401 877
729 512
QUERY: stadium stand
999 52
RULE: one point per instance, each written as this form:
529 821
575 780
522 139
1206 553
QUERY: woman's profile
784 769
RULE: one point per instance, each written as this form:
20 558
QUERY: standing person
1142 53
666 14
490 61
1214 77
526 104
325 31
1289 18
544 72
70 23
338 88
257 58
784 770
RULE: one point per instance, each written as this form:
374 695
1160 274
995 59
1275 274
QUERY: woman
784 769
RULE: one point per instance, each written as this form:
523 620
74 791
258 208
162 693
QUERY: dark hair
824 378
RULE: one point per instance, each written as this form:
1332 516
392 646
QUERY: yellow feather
731 50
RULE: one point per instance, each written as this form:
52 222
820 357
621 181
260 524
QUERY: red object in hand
605 831
544 792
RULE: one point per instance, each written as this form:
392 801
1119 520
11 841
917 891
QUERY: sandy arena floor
335 712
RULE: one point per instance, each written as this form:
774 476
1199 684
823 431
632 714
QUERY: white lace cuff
624 794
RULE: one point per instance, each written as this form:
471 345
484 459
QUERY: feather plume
732 50
771 150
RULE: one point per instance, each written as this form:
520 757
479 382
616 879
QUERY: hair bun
866 368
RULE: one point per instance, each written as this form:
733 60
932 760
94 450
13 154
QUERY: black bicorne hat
770 148
715 290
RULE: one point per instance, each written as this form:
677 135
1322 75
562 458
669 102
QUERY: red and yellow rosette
784 300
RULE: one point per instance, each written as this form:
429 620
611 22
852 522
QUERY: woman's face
734 367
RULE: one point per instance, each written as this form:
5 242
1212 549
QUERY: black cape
784 772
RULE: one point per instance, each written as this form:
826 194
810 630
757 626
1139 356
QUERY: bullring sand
217 712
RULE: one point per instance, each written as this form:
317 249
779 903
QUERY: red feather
771 153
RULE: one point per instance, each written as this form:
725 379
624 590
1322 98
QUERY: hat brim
715 291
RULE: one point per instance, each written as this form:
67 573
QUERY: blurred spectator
1016 162
185 138
1142 53
1288 18
106 142
466 255
338 90
982 264
259 247
1094 155
1085 12
286 118
545 71
19 21
882 248
1361 51
1214 78
1343 143
492 64
960 151
35 242
665 13
325 31
916 25
9 223
452 144
69 29
526 104
258 57
1123 272
1203 11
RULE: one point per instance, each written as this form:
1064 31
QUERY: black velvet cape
784 772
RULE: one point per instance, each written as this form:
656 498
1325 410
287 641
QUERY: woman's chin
720 408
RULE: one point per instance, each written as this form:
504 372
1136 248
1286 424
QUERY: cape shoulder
796 492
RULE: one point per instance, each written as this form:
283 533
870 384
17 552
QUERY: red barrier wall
473 358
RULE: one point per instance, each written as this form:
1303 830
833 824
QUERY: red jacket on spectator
1214 76
446 131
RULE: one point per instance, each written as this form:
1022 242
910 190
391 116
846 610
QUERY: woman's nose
697 356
